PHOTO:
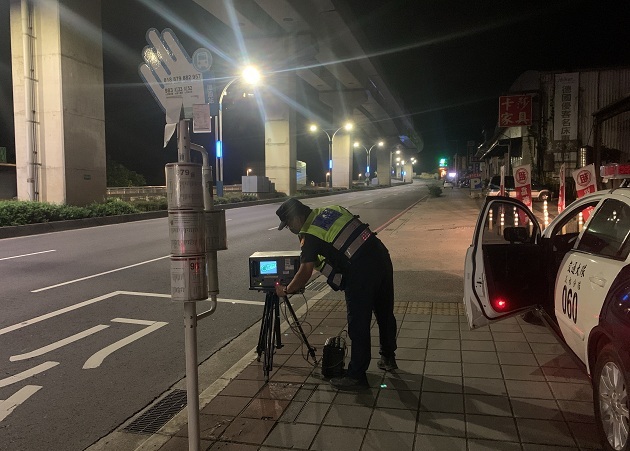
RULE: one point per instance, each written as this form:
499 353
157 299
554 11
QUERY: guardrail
132 193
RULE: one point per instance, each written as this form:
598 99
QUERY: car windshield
496 181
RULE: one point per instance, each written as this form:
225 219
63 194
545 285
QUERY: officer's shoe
349 383
387 363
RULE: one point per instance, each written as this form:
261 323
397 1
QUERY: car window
502 216
573 221
607 232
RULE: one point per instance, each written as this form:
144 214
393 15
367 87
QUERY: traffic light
443 162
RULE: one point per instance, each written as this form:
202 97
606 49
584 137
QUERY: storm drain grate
153 419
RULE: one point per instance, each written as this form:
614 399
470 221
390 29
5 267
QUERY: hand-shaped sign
174 79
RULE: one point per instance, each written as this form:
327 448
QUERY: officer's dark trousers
369 286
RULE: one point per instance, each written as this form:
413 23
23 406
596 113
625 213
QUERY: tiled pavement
507 387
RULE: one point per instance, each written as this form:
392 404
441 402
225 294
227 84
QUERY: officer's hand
280 290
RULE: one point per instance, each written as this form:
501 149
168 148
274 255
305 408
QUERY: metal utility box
267 268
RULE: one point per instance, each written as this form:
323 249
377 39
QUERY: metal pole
220 159
508 158
192 377
330 169
367 165
183 141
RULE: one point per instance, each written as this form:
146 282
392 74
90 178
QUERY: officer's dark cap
291 208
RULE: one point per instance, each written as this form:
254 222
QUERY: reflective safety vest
340 228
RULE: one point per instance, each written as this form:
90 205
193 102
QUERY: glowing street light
391 162
248 171
251 76
313 128
367 166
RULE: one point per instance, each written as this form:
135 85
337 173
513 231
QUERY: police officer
344 249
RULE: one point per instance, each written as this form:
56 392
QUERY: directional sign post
176 80
181 84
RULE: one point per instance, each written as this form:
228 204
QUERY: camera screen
268 267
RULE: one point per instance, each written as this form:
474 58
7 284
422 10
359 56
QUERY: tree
119 175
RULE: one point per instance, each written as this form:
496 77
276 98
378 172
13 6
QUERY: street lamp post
368 151
248 172
251 75
313 128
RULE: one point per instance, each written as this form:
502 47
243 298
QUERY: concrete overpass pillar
343 103
280 133
61 138
383 166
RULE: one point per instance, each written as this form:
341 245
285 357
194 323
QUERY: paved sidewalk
507 387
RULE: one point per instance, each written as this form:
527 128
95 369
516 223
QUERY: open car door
504 268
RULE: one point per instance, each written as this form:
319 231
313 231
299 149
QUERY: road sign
176 81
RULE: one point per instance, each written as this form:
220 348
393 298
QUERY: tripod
269 338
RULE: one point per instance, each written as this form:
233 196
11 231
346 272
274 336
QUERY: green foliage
111 207
435 191
232 198
14 212
119 175
151 205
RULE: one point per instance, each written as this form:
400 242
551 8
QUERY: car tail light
499 304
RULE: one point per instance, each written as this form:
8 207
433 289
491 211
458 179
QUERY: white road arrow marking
96 359
58 344
28 373
7 406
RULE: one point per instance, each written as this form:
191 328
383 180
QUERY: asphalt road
88 334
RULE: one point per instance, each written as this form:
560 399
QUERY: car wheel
610 396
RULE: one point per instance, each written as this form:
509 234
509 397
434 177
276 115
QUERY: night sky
451 60
447 60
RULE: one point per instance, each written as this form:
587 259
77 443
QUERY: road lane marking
161 295
8 405
273 228
142 322
104 297
97 358
99 274
28 373
57 312
58 344
27 255
367 202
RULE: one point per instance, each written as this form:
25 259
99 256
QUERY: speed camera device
266 269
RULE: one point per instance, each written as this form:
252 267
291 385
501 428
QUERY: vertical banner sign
561 191
585 184
584 180
515 110
502 186
565 101
523 183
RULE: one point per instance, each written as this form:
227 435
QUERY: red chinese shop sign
515 110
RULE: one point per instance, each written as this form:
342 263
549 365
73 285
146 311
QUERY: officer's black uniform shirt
313 246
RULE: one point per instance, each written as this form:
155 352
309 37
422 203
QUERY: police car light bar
615 171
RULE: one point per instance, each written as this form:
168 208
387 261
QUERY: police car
575 274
